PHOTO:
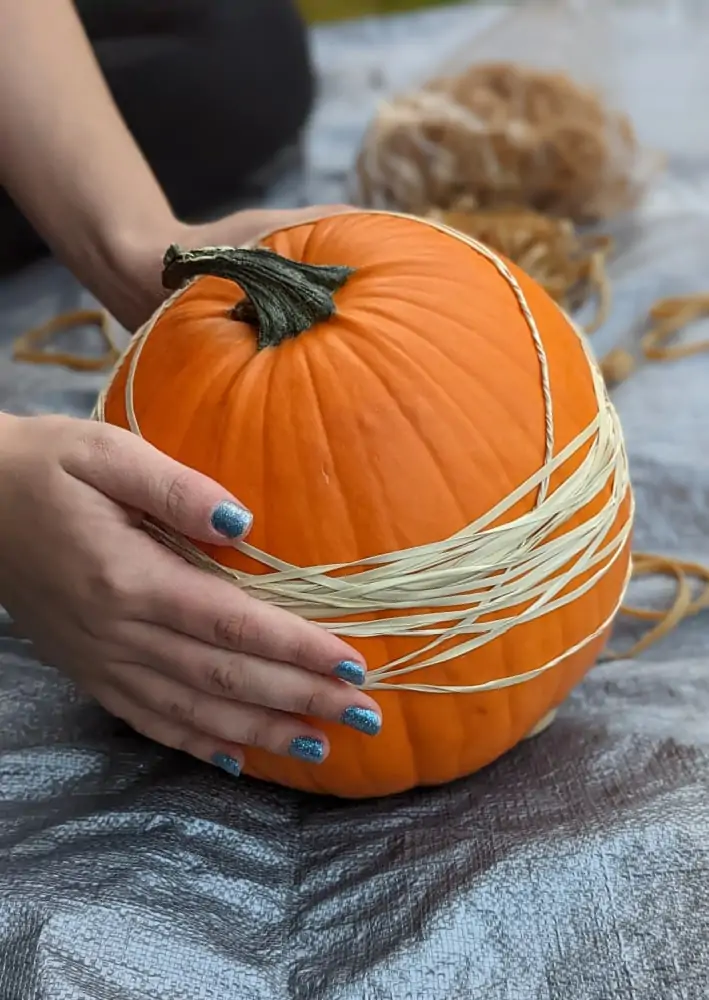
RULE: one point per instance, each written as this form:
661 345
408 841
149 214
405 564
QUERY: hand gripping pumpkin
434 466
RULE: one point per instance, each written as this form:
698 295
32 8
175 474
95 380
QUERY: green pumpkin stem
283 297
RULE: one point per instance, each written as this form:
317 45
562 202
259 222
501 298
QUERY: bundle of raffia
501 135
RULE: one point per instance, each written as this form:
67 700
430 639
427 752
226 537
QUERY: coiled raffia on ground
686 602
500 135
668 317
445 592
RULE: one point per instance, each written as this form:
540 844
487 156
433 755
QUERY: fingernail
231 519
365 720
353 673
229 764
307 748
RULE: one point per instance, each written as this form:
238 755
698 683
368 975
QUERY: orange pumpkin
382 398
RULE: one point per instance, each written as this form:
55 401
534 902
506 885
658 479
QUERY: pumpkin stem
283 297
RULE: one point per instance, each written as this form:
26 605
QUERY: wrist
125 272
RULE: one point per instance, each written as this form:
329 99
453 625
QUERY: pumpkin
373 384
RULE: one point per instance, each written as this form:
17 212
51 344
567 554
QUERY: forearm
66 156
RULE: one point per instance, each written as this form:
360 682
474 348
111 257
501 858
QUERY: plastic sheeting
575 868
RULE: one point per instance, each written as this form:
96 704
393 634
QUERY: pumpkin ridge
234 389
496 456
391 527
432 305
271 406
462 716
159 402
485 341
307 250
434 346
357 539
427 447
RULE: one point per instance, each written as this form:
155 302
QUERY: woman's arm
69 161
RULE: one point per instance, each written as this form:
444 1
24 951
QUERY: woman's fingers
226 755
121 580
218 613
254 680
224 720
136 475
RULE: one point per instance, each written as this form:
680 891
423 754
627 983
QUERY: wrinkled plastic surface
574 868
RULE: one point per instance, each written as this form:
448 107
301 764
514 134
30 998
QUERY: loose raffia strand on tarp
33 346
667 318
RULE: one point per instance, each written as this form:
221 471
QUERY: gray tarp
576 868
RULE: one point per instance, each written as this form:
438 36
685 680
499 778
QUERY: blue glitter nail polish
365 720
231 520
229 764
353 673
307 748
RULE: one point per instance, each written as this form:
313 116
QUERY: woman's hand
185 658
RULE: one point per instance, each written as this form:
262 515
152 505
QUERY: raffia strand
569 266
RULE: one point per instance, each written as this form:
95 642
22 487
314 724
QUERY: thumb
135 474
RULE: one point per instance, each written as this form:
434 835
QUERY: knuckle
233 631
225 679
177 497
300 651
313 703
110 594
113 582
183 741
96 448
181 711
255 734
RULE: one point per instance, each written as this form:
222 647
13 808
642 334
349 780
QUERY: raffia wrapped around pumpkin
435 469
501 135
